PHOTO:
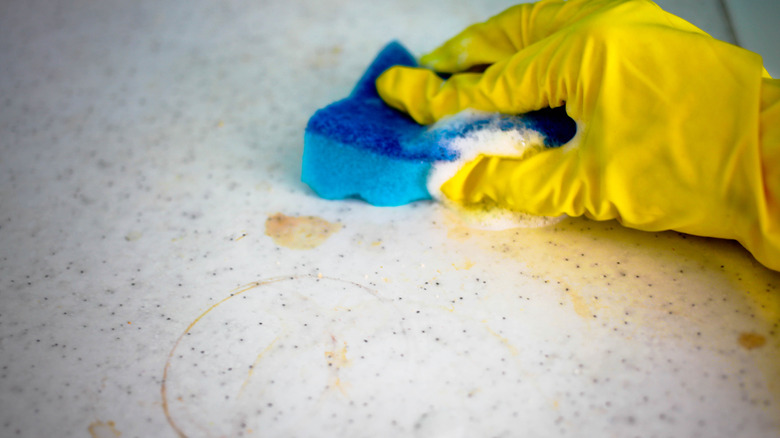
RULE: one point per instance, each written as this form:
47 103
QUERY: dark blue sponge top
364 120
361 147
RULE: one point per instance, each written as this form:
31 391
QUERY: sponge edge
353 147
359 147
336 170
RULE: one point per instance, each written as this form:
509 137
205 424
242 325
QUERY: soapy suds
490 217
516 142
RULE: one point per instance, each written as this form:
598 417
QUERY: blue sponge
360 147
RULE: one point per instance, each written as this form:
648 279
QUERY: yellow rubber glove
676 130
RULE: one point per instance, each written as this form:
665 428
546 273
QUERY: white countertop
146 144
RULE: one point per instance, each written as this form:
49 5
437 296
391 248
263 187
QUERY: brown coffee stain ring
237 292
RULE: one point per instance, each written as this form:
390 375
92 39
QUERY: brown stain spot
99 429
751 341
299 232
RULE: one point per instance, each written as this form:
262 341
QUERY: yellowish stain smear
512 349
299 232
468 264
581 306
337 358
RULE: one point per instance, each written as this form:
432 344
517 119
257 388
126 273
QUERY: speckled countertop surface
163 272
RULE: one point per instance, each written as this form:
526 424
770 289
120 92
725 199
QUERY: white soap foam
491 140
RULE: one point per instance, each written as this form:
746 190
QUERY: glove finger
544 184
507 33
481 43
539 76
410 90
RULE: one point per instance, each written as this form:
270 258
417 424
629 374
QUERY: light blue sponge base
335 170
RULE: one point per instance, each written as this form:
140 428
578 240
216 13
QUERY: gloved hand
676 130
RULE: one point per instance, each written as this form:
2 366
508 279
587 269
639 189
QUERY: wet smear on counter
604 268
634 285
487 216
299 232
